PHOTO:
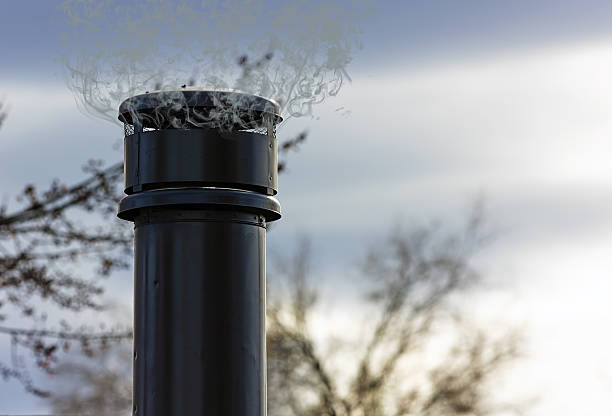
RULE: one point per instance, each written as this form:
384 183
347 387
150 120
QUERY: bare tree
412 280
41 243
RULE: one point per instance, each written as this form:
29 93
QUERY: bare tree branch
413 277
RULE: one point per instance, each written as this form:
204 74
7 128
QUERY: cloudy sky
450 101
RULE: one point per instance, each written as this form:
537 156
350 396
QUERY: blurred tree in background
408 309
56 247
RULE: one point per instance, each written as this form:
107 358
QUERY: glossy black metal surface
199 313
201 157
198 198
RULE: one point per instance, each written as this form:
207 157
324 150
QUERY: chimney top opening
194 107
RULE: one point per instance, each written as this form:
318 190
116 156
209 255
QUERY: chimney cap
196 105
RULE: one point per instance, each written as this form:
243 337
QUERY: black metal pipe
200 199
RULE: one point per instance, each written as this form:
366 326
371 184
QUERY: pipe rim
200 198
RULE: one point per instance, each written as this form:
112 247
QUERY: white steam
188 108
295 52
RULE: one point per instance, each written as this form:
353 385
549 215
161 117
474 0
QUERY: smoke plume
296 52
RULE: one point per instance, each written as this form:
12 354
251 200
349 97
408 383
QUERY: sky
449 102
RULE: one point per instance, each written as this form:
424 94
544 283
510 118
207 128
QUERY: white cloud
513 124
